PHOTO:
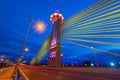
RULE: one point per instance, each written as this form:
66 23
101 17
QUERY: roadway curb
26 78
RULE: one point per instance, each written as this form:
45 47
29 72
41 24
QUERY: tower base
55 56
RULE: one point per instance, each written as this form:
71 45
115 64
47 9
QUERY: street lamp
96 60
22 48
92 64
39 26
26 49
25 38
112 64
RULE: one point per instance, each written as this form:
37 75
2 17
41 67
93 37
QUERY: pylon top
57 11
56 16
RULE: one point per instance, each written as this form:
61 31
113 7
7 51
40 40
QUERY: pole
96 59
25 38
23 44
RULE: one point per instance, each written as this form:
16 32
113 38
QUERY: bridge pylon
55 46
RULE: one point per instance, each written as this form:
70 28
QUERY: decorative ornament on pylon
56 16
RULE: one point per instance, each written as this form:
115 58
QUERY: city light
112 64
26 49
92 64
39 27
61 55
91 47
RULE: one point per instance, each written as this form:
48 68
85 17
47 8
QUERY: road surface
6 73
40 73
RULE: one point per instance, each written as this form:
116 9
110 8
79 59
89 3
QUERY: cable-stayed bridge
96 28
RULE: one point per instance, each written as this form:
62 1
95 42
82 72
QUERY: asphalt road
39 73
5 74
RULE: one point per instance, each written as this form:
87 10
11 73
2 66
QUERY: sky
15 16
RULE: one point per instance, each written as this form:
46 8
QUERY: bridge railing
20 75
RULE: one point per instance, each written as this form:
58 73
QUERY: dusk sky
15 16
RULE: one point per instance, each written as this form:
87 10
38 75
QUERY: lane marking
24 74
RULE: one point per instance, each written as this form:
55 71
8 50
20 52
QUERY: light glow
40 27
112 64
26 49
92 64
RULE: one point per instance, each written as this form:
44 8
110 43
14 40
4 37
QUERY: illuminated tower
55 52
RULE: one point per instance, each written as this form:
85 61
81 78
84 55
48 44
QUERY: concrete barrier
20 75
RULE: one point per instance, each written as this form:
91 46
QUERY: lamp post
24 41
21 50
96 59
25 38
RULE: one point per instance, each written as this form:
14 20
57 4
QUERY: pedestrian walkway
5 74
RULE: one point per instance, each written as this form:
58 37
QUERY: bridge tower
55 52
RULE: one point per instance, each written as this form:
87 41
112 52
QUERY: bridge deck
5 74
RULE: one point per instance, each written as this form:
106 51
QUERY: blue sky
14 20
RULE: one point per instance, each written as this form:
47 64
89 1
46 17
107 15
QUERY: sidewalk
6 74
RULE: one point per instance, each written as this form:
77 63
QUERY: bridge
94 29
96 26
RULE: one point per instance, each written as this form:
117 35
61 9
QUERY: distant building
2 58
5 62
